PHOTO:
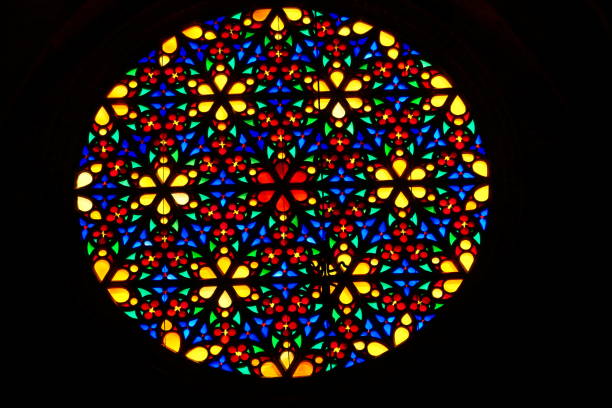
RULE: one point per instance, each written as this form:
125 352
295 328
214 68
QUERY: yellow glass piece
207 291
277 24
197 354
102 117
304 369
321 103
399 165
452 285
481 168
224 264
237 88
221 113
437 293
448 266
320 86
417 174
96 167
384 192
205 106
401 335
362 268
401 201
438 100
383 174
180 181
286 358
465 244
120 109
119 91
180 198
205 89
238 105
393 53
406 319
344 260
386 39
164 60
482 194
164 207
84 179
458 107
146 182
84 204
345 296
354 102
418 191
361 28
270 370
166 325
172 341
336 77
440 82
193 32
210 35
471 205
363 287
207 273
261 14
467 157
146 199
170 45
216 349
292 13
119 295
338 112
95 215
241 272
242 290
344 31
466 259
220 81
225 300
376 349
101 268
121 275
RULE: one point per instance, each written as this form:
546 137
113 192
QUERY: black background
534 73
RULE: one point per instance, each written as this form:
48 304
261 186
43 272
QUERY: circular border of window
282 192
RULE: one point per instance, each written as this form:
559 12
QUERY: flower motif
285 325
348 329
420 303
151 309
282 176
225 268
338 92
163 175
177 308
232 95
225 332
400 172
238 353
393 303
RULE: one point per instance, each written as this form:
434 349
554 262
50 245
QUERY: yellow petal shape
220 81
406 319
336 77
172 341
320 86
238 105
101 268
355 102
376 349
118 91
321 103
362 287
418 191
452 285
261 14
84 179
162 173
242 290
481 168
399 166
345 296
417 174
401 201
361 28
119 295
458 107
221 113
401 335
438 100
448 266
482 194
146 199
353 85
338 112
170 45
362 268
286 358
466 259
84 204
205 89
383 174
205 106
224 264
241 272
197 354
386 39
384 192
344 31
193 32
206 292
180 198
440 82
292 13
164 207
225 300
277 24
237 88
270 370
102 117
304 369
344 260
120 109
146 182
121 275
207 273
210 35
180 181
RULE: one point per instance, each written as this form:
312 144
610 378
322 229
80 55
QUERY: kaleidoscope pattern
282 192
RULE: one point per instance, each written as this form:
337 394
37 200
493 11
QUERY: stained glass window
282 192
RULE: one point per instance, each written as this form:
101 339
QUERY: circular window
282 192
